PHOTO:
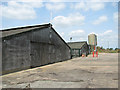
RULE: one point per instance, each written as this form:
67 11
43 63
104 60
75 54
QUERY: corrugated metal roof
13 31
76 45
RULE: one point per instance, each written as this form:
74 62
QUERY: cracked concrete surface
81 72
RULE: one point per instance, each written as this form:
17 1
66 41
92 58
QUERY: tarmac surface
80 72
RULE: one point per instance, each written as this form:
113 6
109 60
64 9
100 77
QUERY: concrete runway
81 72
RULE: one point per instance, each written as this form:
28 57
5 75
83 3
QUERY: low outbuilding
79 48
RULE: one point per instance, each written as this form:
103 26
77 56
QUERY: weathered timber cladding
33 48
15 53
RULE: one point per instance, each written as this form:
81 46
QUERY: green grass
108 51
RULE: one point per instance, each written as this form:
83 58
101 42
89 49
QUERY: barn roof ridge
17 30
23 27
77 45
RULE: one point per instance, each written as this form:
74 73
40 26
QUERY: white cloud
78 35
100 20
56 0
97 6
70 20
34 4
115 16
95 1
20 10
28 0
89 6
106 33
106 36
81 5
115 4
76 32
55 6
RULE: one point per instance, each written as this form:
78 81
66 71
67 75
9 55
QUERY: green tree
98 47
116 48
111 49
101 47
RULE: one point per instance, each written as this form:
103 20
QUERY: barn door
36 49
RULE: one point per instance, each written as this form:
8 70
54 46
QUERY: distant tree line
107 50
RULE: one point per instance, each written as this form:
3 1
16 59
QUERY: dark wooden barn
79 48
31 46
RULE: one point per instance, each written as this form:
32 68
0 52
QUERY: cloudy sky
70 19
